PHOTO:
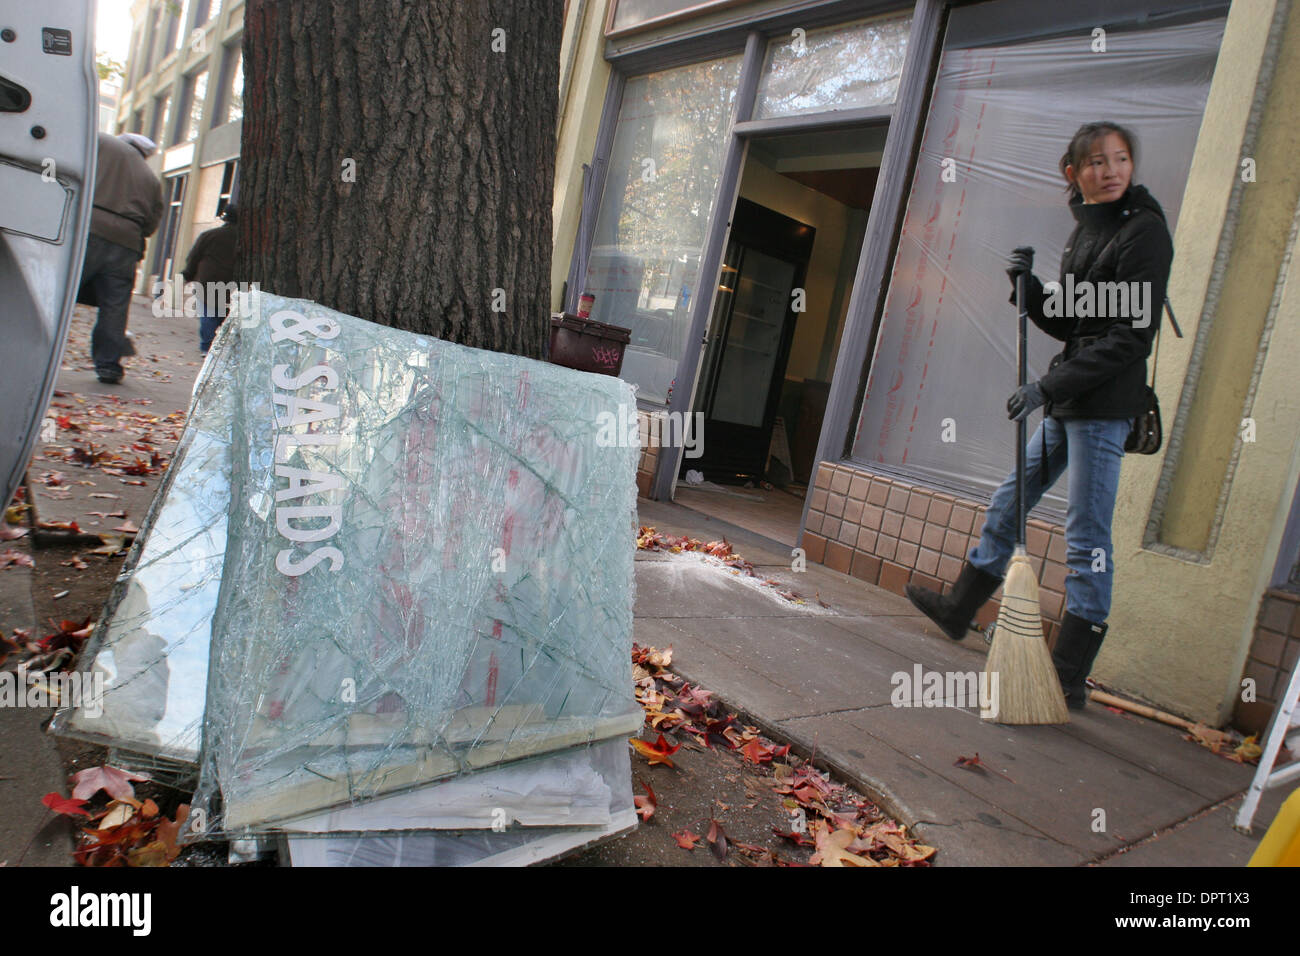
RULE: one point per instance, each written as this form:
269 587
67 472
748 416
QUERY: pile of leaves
648 539
841 827
110 434
124 831
55 651
1226 744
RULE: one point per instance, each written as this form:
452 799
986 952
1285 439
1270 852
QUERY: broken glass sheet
151 646
580 787
428 567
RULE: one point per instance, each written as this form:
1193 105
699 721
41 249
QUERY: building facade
914 145
184 90
800 209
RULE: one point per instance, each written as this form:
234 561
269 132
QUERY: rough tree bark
398 160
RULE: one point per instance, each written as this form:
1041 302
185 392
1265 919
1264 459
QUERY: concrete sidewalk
1107 788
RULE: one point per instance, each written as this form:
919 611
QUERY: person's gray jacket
128 196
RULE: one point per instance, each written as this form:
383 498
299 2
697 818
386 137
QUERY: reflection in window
650 231
162 111
633 13
850 66
198 95
235 91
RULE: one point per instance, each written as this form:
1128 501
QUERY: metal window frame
906 121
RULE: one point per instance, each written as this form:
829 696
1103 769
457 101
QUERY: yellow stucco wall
1181 625
579 122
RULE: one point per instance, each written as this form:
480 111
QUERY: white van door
49 96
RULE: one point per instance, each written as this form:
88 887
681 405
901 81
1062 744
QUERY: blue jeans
208 325
1097 446
110 268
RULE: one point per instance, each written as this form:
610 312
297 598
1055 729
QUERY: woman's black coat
1103 372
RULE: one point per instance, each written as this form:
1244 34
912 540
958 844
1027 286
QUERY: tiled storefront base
1272 657
890 533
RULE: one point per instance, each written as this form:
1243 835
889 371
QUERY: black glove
1024 400
1020 260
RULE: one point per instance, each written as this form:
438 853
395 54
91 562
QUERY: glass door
749 341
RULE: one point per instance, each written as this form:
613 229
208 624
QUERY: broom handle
1022 373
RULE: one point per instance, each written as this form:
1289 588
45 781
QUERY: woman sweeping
1092 393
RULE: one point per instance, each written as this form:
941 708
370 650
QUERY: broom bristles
1019 665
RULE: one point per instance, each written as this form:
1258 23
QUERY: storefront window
630 14
987 181
844 67
660 187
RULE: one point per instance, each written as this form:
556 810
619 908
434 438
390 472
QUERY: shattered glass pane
152 645
428 569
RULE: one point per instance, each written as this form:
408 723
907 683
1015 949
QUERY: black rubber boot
1076 648
953 612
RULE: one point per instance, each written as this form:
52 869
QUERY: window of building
628 15
669 142
151 40
162 114
205 10
165 245
850 66
229 182
133 60
196 95
232 105
987 181
175 37
137 121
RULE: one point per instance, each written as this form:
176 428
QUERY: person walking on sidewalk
128 208
212 261
1092 393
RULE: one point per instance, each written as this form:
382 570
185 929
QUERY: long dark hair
1081 144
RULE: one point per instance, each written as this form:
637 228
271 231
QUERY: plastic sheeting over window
849 66
393 561
1000 119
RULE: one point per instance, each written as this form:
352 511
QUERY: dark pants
110 268
208 325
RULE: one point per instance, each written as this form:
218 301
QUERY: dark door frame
766 231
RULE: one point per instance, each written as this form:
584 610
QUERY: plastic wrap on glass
850 66
662 179
427 568
986 182
582 787
150 647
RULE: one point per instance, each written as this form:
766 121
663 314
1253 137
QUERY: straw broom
1019 671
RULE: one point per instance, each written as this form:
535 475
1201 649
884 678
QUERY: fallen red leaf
116 783
717 839
657 752
686 839
61 804
645 806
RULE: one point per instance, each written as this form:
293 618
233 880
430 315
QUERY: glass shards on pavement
380 562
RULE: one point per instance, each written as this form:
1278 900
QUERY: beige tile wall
889 533
1272 657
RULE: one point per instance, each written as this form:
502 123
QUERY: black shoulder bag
1147 434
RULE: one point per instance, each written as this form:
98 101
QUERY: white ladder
1286 726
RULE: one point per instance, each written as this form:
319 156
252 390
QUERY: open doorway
784 284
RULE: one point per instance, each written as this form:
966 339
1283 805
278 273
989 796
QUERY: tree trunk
398 161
